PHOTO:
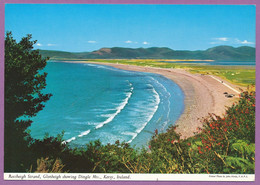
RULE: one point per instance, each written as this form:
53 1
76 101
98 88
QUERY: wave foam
105 115
93 65
129 133
119 108
168 98
71 139
157 101
161 85
84 133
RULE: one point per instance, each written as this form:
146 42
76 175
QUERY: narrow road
225 84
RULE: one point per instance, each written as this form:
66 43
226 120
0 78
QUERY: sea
97 102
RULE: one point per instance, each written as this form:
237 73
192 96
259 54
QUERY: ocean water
93 102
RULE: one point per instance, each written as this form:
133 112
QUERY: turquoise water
93 102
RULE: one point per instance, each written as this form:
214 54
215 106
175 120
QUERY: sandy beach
203 94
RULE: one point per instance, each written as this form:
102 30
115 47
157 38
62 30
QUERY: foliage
49 166
23 97
24 83
230 140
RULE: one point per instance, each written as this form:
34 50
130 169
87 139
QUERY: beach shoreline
203 94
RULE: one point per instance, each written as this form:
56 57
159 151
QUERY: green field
240 75
244 76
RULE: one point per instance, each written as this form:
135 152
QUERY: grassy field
240 75
244 76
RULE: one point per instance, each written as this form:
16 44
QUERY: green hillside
225 53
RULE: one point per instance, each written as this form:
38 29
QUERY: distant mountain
224 53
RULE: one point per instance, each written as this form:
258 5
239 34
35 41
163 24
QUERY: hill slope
227 53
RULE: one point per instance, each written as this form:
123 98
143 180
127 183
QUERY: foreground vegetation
223 145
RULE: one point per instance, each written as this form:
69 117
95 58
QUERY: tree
24 82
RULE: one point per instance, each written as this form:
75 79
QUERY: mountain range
219 53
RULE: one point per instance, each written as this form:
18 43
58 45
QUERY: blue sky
85 27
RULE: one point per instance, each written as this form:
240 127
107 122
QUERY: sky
85 27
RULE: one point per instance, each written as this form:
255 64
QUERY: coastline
203 94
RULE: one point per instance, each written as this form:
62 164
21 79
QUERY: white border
128 177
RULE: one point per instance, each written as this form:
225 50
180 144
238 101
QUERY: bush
228 142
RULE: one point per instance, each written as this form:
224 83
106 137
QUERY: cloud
243 42
51 44
131 42
92 42
226 40
221 39
246 42
128 41
145 43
